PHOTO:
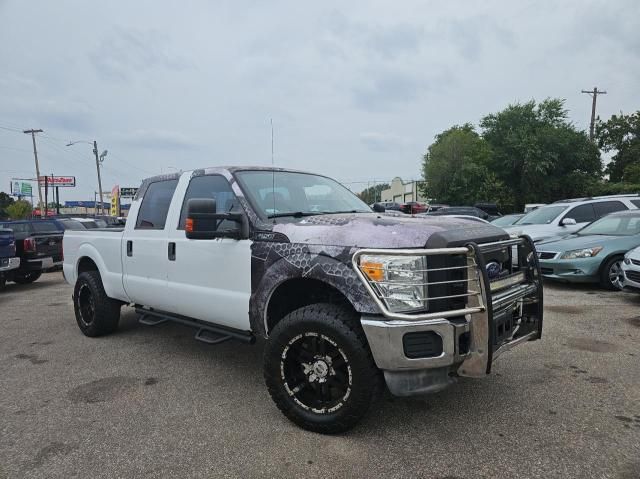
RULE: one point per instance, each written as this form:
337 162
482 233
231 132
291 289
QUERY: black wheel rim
616 276
316 373
86 305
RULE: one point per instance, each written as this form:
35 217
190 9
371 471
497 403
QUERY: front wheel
319 369
26 277
612 276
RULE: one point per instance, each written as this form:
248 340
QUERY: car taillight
29 245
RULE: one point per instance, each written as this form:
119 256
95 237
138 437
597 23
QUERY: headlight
581 253
398 280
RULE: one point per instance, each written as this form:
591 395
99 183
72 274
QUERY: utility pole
35 154
95 152
594 95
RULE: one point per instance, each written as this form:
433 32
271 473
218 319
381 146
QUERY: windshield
505 220
614 226
541 216
286 193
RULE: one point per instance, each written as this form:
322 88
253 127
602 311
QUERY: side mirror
204 222
568 222
378 208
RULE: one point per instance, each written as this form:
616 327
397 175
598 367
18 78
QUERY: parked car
506 220
9 262
70 224
38 245
413 207
460 210
88 223
595 253
631 270
532 206
344 297
568 216
460 217
387 205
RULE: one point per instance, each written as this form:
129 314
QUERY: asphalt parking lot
152 402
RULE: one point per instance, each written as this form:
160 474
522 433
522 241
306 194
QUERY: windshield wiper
294 214
340 212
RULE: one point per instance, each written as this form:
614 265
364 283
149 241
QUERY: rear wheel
612 276
319 369
3 282
26 277
96 313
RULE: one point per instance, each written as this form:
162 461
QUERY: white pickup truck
348 299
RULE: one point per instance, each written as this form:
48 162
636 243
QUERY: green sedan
593 254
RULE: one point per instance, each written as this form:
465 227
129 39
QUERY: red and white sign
61 181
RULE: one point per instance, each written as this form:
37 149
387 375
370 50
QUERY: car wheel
319 370
3 282
26 277
96 313
612 276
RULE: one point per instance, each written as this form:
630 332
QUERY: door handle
129 248
171 251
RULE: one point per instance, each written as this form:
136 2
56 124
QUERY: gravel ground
152 402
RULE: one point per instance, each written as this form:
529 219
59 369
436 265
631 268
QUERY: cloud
382 142
156 140
123 52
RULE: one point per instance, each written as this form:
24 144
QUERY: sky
356 90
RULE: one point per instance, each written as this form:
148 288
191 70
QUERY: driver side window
214 187
582 213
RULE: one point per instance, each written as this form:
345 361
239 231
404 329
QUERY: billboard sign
128 192
61 181
115 201
21 188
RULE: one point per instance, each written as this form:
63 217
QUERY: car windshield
72 225
541 216
505 220
613 225
286 193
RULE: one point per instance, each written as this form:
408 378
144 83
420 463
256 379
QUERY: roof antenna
273 176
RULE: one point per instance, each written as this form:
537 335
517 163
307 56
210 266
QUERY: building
401 191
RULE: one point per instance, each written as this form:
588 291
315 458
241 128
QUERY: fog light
627 261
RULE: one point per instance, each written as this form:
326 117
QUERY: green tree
19 210
5 200
538 154
621 133
372 194
455 169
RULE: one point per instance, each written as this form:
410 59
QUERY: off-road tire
340 326
605 280
26 277
96 313
3 282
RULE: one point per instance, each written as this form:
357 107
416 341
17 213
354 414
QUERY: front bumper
582 270
8 264
466 341
631 276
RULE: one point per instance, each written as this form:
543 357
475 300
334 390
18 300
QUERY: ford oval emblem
493 269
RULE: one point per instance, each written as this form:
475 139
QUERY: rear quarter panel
104 248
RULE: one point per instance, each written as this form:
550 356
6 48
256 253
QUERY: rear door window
17 227
605 207
582 214
636 203
155 205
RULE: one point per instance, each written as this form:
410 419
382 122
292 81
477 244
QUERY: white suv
567 216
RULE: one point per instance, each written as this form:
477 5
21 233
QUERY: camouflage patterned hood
375 230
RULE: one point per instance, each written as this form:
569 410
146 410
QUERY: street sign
128 192
61 181
20 188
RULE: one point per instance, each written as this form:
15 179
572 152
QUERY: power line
594 95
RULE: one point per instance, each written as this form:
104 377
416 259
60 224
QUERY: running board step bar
207 332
